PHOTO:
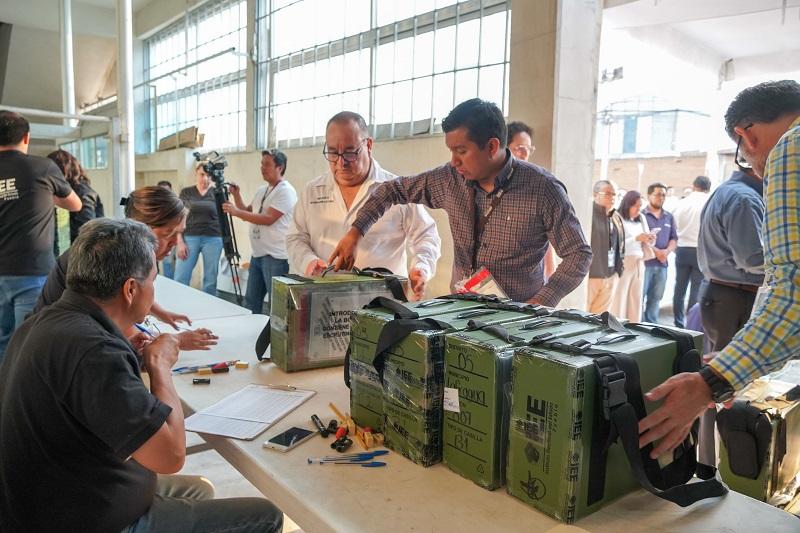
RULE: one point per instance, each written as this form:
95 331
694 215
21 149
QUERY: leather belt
740 286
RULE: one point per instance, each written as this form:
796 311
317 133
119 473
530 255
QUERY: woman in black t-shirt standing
77 179
202 234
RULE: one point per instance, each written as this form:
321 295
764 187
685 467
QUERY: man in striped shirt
764 120
502 211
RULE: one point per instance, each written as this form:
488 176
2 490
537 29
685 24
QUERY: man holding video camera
269 216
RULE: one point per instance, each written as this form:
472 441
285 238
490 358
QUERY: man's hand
235 189
344 255
169 317
315 267
139 339
198 339
418 280
161 354
231 209
662 255
182 251
686 396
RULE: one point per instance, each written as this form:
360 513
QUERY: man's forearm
567 276
162 387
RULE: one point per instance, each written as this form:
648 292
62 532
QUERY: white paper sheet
248 412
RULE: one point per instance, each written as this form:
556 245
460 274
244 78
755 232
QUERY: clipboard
247 413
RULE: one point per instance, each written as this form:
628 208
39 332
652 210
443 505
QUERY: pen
190 369
144 330
281 387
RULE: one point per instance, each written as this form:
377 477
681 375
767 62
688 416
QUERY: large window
401 64
92 152
195 76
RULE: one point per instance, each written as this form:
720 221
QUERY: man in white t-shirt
329 204
269 217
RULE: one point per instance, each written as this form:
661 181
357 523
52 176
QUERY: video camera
213 164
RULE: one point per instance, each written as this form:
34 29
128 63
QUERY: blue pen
145 330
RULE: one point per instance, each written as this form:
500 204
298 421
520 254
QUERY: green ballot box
571 397
310 316
478 380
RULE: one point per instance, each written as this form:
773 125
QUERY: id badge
611 258
255 232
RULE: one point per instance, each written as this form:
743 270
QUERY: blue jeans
211 248
185 503
168 265
655 279
18 296
259 280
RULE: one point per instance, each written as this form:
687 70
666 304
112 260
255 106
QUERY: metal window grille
195 71
401 65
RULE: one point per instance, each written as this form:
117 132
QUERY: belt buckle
613 391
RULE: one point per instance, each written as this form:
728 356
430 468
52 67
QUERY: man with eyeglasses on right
329 204
764 120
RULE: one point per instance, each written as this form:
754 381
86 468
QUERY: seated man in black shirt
82 438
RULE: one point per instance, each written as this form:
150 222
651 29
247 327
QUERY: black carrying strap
471 297
498 331
746 432
532 309
399 310
620 395
395 331
392 282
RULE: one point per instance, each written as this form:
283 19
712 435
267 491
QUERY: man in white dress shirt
687 218
328 205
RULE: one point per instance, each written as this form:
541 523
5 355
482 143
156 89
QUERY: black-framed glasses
742 163
350 155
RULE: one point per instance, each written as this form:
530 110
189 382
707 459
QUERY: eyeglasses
150 324
742 163
349 156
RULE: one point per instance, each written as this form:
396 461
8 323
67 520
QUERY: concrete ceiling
726 28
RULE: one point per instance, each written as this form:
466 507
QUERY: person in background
75 413
329 204
662 224
165 214
92 206
608 248
515 206
627 300
30 188
764 120
168 263
520 142
202 234
687 218
269 217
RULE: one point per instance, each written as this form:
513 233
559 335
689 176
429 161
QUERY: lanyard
263 198
480 221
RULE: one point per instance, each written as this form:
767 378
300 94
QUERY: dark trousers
724 311
686 271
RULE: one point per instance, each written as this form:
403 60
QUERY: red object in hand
341 432
219 368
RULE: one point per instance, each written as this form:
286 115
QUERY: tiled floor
228 483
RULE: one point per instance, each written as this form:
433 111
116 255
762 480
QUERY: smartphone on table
292 437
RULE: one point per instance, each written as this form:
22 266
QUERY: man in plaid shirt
502 211
764 120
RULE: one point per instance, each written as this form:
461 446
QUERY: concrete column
123 134
555 48
67 67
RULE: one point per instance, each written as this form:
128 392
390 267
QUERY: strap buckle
614 395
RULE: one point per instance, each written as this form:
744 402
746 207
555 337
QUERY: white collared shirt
687 218
321 219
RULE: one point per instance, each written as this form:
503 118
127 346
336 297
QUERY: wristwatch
721 390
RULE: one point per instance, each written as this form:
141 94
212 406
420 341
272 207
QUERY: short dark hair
483 121
702 183
653 186
278 157
630 198
106 253
765 102
165 183
343 117
13 128
517 127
